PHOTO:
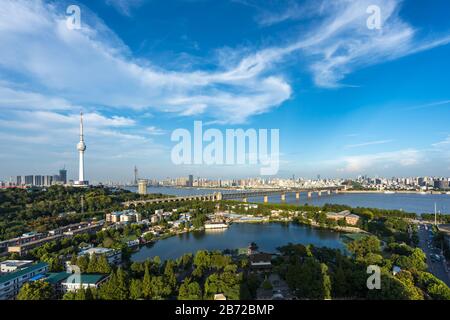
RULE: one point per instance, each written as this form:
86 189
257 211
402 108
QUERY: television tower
81 147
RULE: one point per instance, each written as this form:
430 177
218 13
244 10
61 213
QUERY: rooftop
12 275
54 278
85 278
97 250
16 263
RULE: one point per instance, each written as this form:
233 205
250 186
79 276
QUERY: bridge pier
266 199
283 197
336 191
319 193
297 195
244 199
309 194
328 192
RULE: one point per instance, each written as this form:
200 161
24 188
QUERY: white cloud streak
368 143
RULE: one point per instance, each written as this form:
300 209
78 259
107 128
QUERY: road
437 268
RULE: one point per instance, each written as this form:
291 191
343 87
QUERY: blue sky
348 100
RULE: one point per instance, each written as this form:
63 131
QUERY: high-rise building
48 180
56 178
190 182
63 175
441 184
29 180
81 147
142 186
38 180
19 181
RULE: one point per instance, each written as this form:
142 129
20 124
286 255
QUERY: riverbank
394 192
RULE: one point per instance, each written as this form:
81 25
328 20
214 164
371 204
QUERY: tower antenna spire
81 126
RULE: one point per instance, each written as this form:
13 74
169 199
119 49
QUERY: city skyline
348 100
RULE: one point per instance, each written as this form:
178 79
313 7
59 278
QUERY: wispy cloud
428 105
359 163
443 143
368 143
98 69
125 7
271 13
156 131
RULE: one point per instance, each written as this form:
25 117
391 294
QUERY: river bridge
242 195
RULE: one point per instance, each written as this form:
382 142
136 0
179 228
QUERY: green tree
36 290
189 290
103 265
362 247
147 284
92 265
309 279
122 292
136 289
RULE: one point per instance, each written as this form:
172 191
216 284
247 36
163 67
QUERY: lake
268 236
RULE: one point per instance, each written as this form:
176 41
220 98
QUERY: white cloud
15 99
156 131
359 163
124 6
442 144
83 66
368 143
92 66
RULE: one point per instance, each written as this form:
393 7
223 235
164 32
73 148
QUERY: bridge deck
231 195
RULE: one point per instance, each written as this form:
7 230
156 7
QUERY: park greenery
43 209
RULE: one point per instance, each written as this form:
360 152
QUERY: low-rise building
155 218
25 247
56 280
261 261
85 228
126 216
113 256
349 217
78 281
11 282
13 265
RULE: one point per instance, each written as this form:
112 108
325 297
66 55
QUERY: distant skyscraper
63 175
38 180
56 178
19 181
441 184
135 175
190 182
142 186
29 180
81 147
47 180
